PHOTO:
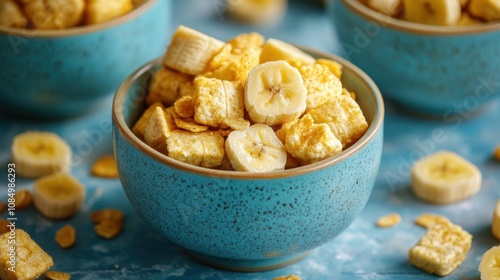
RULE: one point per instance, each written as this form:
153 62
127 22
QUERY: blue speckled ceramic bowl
61 73
444 71
247 221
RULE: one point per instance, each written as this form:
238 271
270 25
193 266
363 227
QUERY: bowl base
246 265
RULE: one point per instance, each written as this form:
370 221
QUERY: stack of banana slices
46 156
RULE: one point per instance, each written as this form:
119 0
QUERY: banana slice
275 49
445 177
274 93
190 51
257 12
489 267
255 149
434 12
58 196
495 223
38 153
386 7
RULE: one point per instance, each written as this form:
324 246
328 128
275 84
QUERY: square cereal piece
98 11
140 126
30 260
309 142
168 85
158 128
321 84
11 14
344 117
442 249
218 103
246 41
54 14
204 149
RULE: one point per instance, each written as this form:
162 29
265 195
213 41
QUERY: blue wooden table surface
363 251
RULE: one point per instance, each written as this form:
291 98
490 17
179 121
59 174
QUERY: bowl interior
129 104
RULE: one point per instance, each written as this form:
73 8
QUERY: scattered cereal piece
105 166
495 221
57 275
11 14
217 102
442 249
344 117
140 126
109 222
4 226
288 277
201 149
158 129
426 220
98 11
389 220
168 85
2 207
66 236
108 229
309 142
23 199
31 260
54 14
496 153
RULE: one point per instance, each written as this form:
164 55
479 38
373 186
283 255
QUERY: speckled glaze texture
241 223
431 73
60 76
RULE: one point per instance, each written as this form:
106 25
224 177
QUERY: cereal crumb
105 167
57 275
389 220
442 249
426 220
288 277
66 236
3 226
109 222
2 207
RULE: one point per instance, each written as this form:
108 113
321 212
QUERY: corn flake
168 85
218 103
428 219
23 199
57 275
389 220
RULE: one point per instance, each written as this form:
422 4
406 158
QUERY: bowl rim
380 19
79 30
375 127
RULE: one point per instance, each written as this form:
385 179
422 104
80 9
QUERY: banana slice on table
257 12
386 7
489 267
495 223
434 12
190 51
275 93
58 196
445 177
255 149
275 49
38 153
